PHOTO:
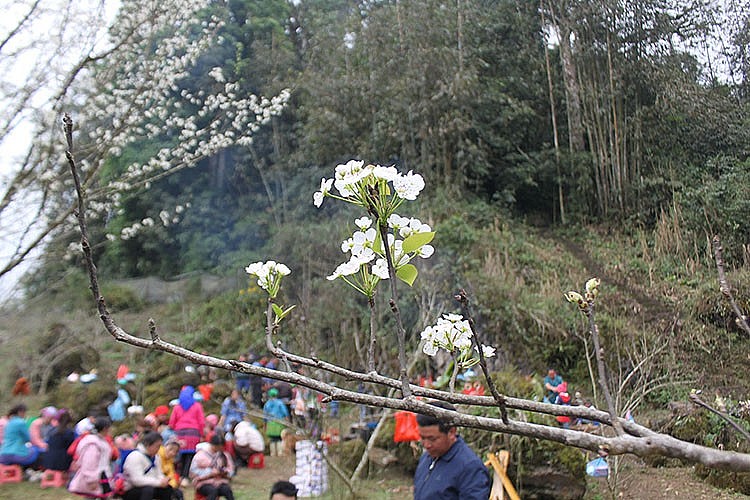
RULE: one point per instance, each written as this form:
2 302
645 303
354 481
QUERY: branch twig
724 287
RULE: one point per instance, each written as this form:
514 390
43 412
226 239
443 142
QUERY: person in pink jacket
187 421
94 474
212 469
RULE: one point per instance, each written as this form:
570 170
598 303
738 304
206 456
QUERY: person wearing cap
212 469
274 412
212 426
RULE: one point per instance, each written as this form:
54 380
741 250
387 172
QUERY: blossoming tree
128 84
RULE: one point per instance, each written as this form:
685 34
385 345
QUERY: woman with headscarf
187 421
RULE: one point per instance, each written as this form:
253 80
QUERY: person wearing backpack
144 479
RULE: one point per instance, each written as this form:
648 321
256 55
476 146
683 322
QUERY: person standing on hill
448 469
551 381
233 410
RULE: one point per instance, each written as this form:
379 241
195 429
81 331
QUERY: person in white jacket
144 479
247 441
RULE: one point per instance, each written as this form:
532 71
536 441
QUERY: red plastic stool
10 474
256 461
54 479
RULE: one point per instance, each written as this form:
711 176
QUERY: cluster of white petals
269 275
367 263
354 181
165 217
452 333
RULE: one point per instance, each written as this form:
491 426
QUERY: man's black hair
102 423
427 420
151 437
285 488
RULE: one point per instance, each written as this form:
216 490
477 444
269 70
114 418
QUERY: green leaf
417 241
407 273
377 245
281 313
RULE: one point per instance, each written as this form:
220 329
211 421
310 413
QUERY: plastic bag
406 427
597 467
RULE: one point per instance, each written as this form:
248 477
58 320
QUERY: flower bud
592 286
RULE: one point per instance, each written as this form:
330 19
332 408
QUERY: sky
32 55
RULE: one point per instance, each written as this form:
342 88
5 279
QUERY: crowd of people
170 448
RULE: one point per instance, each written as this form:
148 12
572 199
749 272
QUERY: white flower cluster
269 275
379 190
452 333
165 217
354 182
136 93
367 264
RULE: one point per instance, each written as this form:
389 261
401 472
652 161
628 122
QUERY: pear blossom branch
401 333
586 307
463 299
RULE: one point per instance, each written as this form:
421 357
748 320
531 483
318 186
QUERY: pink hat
212 419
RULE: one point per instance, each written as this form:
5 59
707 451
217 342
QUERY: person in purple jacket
448 469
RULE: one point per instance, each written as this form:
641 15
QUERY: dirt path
648 483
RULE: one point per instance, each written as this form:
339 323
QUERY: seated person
211 470
61 437
247 441
144 479
14 450
167 455
551 381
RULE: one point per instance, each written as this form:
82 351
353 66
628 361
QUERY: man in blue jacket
448 469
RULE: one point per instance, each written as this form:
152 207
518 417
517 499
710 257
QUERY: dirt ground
648 483
636 483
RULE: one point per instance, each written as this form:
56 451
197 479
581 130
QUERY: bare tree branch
726 290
